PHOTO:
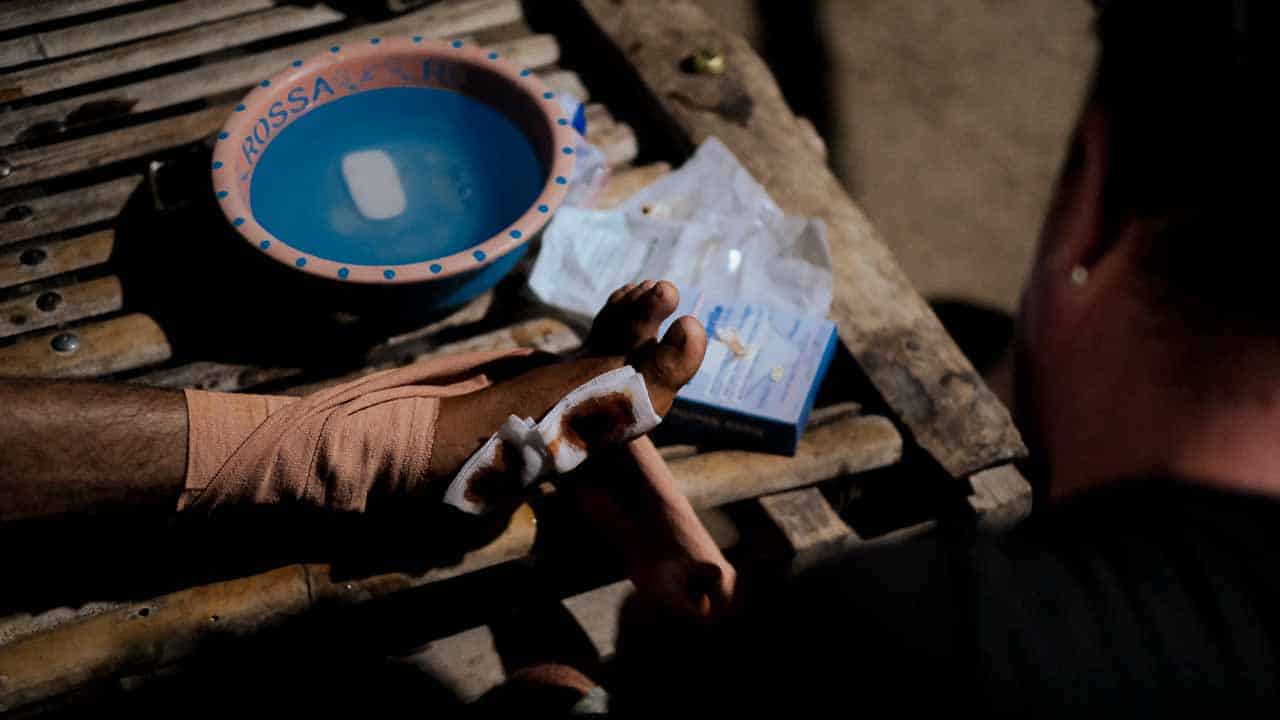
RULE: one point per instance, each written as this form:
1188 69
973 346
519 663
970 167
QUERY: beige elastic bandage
333 449
610 408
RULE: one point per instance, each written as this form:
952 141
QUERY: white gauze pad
608 409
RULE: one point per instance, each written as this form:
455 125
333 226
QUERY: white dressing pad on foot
608 409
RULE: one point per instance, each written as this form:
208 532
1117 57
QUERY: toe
669 364
649 309
637 292
633 316
617 295
660 301
681 350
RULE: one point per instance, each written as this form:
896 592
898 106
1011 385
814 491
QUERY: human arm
70 447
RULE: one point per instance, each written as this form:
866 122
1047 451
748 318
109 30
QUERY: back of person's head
1186 88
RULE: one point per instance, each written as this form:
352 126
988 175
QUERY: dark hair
1182 82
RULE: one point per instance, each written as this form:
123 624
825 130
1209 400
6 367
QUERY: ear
1074 230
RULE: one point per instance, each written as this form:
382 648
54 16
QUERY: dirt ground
946 119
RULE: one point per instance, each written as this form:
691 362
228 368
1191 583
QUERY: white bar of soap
374 184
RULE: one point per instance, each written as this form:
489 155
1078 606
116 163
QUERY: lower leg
672 559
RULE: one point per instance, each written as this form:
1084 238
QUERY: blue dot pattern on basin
467 171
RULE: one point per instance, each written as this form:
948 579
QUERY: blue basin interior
395 175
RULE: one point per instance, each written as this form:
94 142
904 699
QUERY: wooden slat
24 624
1001 497
845 447
514 543
677 452
534 51
164 49
473 312
55 306
19 50
618 141
543 334
122 28
82 206
216 376
820 416
145 635
816 143
105 347
48 161
466 663
834 412
397 6
51 663
596 612
883 321
232 377
469 665
445 19
813 531
720 525
39 260
566 82
597 113
20 13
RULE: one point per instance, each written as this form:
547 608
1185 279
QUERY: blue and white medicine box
758 380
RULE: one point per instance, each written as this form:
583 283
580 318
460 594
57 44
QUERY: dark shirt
1141 598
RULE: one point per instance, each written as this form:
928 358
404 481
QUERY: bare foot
672 559
624 334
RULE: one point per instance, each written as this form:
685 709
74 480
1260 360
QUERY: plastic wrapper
708 225
591 168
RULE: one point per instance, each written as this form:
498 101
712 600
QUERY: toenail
678 334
